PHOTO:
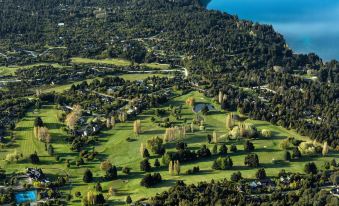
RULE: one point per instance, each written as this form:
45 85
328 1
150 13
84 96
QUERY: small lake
199 106
307 25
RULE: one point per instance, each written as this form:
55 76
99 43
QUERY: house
335 192
36 174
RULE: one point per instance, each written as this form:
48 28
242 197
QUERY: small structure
335 192
36 174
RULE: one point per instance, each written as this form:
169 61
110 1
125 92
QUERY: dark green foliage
204 152
88 176
128 200
145 165
287 156
34 158
38 122
111 173
223 150
215 149
310 167
296 154
146 153
233 148
222 163
150 180
98 187
156 163
261 174
252 160
248 146
236 176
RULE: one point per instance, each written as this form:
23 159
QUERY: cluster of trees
150 180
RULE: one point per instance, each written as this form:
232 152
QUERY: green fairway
115 61
113 146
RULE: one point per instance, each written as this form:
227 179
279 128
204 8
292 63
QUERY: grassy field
10 70
114 147
117 62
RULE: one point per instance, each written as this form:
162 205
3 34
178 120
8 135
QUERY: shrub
266 133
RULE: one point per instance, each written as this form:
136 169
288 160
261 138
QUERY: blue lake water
307 25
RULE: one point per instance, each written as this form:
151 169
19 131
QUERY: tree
190 101
88 176
234 148
149 180
325 149
335 178
146 154
137 127
38 122
261 174
141 149
215 137
177 167
105 165
34 158
229 121
248 146
222 163
111 173
128 200
98 187
215 149
266 133
209 138
156 163
310 168
73 117
145 165
287 156
236 176
223 150
50 150
252 160
296 154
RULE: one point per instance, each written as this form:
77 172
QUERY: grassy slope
117 62
113 146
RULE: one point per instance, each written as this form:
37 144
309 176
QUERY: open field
10 70
117 62
113 146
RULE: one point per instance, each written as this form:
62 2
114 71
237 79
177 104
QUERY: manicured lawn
115 61
114 147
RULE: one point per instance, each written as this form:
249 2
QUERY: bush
266 133
310 168
150 180
236 176
222 163
261 174
252 160
88 176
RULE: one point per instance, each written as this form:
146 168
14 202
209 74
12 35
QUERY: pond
198 107
307 25
26 196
